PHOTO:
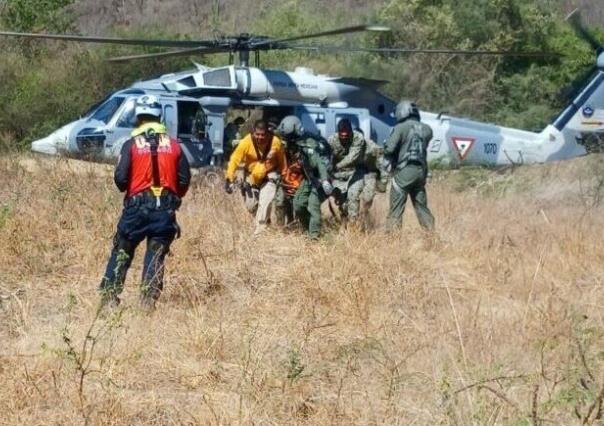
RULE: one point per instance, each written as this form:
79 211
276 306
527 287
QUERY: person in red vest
154 173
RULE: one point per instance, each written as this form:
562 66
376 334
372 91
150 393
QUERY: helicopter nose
44 146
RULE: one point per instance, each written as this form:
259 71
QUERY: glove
327 188
228 187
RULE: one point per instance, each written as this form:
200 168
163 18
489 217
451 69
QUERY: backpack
416 151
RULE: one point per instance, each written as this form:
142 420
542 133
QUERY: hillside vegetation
47 84
496 320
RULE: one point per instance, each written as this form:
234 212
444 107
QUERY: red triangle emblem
462 146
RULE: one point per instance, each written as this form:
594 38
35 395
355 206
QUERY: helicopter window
127 119
217 78
381 108
107 109
186 114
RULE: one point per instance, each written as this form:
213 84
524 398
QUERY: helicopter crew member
264 158
232 136
348 150
154 173
305 176
199 137
406 151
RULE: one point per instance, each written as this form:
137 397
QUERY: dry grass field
496 320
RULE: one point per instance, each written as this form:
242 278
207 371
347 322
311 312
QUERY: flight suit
310 195
410 171
348 173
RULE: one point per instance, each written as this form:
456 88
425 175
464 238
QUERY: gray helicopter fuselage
321 101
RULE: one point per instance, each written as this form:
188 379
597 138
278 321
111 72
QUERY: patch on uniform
587 111
462 146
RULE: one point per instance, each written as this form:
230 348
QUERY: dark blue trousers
136 224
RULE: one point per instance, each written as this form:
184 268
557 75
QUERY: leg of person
289 209
420 204
265 201
125 241
339 196
398 199
367 196
250 197
369 188
300 203
314 212
280 207
160 234
112 283
353 196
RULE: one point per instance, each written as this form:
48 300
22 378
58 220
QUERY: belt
167 200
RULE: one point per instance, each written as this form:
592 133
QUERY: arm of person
235 160
355 154
317 164
393 143
121 175
183 174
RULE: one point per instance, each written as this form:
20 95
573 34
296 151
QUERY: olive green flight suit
348 173
409 174
309 196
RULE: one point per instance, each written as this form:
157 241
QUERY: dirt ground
497 319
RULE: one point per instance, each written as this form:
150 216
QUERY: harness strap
261 156
156 188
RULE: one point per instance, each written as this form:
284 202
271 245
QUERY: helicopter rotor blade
114 40
411 51
574 19
346 30
172 53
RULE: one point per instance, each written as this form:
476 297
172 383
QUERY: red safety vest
141 171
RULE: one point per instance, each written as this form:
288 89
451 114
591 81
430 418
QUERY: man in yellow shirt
263 157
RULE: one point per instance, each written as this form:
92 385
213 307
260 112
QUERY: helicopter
320 101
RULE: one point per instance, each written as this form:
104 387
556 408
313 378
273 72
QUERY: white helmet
148 105
406 109
290 127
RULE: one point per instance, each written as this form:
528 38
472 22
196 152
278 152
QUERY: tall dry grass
498 319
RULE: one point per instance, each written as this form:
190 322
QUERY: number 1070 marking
490 148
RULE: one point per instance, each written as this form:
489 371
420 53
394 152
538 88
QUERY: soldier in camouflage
375 179
406 151
304 154
348 154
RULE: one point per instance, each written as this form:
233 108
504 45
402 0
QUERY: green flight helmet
406 109
290 127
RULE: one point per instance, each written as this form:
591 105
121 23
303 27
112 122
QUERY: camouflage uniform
348 173
375 174
309 196
411 170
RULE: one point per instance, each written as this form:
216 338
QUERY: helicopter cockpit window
107 109
217 78
127 118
